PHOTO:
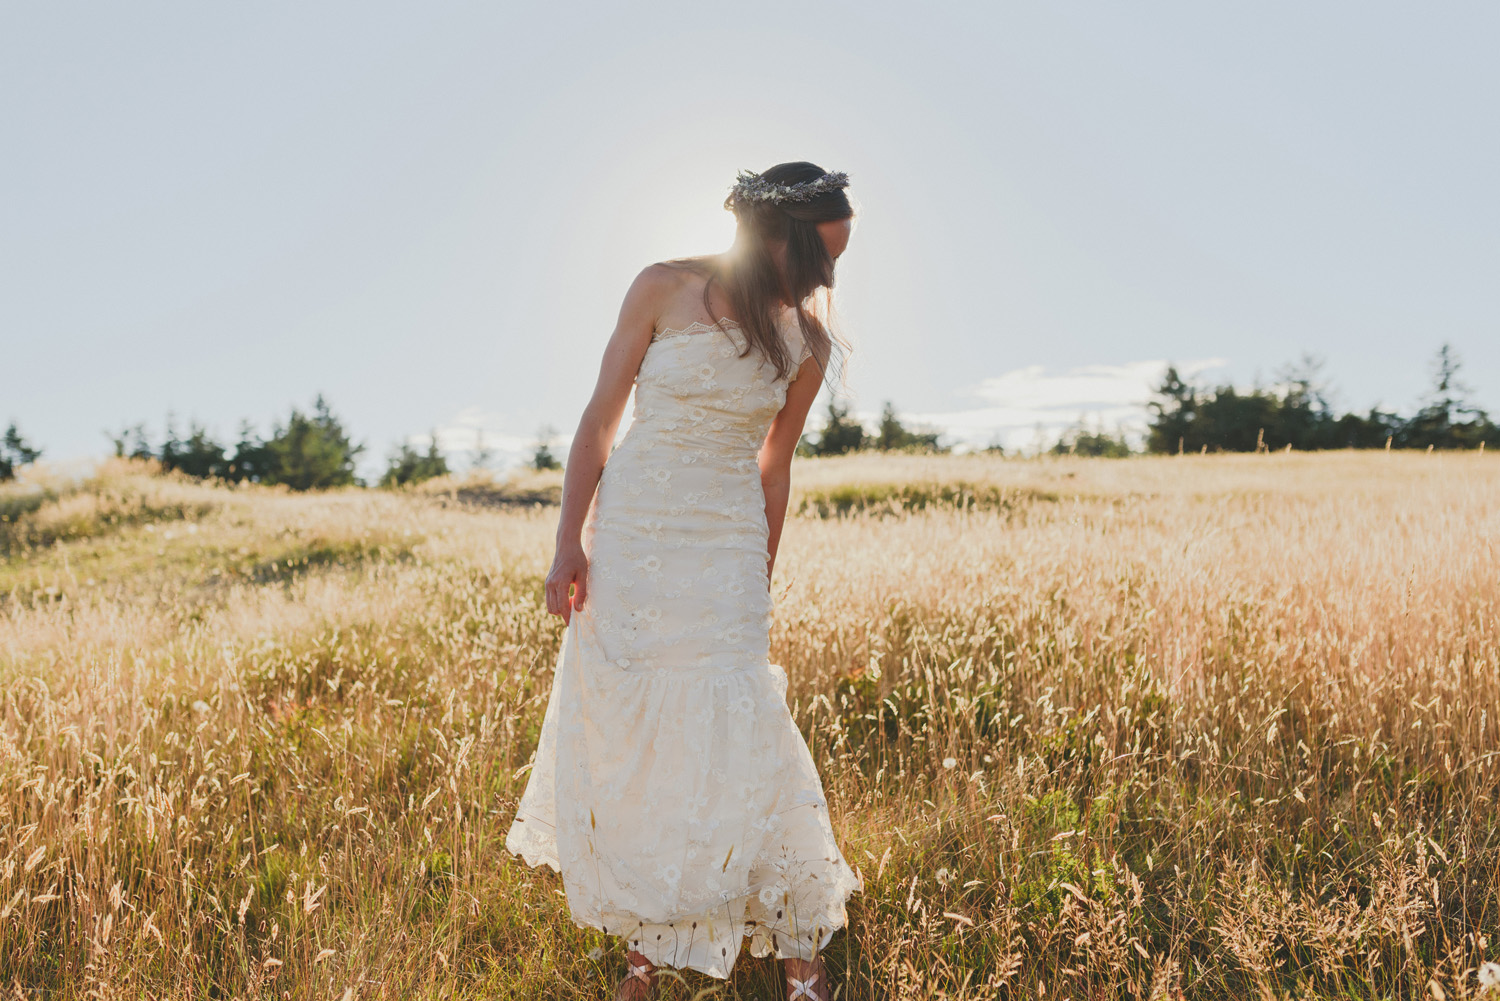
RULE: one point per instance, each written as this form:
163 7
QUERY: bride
671 787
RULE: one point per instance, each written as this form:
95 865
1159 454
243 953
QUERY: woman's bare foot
640 981
806 980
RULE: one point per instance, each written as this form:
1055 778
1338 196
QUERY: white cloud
1088 387
461 437
1023 409
1030 407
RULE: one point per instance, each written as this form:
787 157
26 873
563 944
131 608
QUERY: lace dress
670 786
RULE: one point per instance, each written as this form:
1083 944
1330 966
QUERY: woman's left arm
779 447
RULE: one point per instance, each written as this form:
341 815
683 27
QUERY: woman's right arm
596 433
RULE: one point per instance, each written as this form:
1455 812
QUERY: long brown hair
757 289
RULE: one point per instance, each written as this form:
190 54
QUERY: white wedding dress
671 787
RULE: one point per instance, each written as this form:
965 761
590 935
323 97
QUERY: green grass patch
899 498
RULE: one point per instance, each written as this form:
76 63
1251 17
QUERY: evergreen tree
311 452
541 456
839 436
1304 418
15 452
167 455
198 455
1447 419
1230 421
1299 415
483 453
1371 430
251 459
1173 410
407 465
893 435
132 443
1094 442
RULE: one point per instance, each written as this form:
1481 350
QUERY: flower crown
752 187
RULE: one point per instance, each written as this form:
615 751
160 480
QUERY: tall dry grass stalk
1204 727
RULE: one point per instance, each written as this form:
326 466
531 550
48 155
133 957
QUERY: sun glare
692 221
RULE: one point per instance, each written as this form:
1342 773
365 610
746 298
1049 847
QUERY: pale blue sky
429 212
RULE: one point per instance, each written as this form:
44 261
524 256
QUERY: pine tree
893 435
1447 419
541 456
1096 442
311 452
197 455
839 436
251 460
407 465
483 453
132 443
1173 412
15 452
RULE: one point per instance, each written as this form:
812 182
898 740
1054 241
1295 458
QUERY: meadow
1173 727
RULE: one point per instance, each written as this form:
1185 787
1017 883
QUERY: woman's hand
570 568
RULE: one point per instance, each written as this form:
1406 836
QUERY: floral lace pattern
671 787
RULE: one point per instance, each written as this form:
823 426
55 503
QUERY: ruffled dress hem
709 941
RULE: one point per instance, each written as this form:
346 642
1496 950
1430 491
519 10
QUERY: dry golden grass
1194 726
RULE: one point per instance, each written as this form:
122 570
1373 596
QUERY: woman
671 787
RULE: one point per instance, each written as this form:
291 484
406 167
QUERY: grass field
1203 726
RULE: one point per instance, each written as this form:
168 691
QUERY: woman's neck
724 265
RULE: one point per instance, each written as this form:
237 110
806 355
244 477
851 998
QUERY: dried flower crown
752 187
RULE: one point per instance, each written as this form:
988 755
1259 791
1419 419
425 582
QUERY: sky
429 213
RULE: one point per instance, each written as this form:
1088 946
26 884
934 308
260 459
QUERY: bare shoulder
682 286
656 289
663 276
653 282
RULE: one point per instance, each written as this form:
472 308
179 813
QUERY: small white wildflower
1489 975
949 762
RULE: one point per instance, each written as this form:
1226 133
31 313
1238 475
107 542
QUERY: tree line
1186 417
308 451
841 434
312 450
